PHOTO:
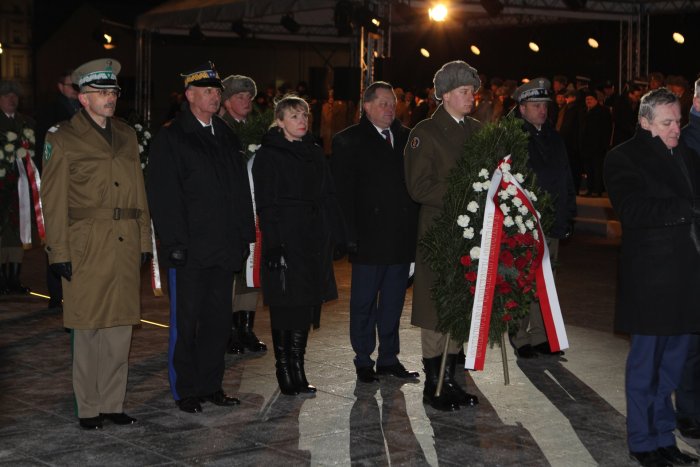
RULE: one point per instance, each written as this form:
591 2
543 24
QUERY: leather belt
104 213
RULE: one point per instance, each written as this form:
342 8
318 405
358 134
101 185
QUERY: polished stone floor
567 411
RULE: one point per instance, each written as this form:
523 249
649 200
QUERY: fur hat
453 75
238 83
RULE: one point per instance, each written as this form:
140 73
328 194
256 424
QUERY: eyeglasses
105 92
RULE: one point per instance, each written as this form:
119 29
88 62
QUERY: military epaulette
53 129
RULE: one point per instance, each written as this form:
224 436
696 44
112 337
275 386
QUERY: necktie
461 123
387 137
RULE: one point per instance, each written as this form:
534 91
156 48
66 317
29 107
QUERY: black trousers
200 323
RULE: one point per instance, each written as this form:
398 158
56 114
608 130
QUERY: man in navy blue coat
381 220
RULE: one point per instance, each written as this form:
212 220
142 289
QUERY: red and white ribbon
28 189
155 266
252 266
492 231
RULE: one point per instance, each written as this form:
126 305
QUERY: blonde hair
289 101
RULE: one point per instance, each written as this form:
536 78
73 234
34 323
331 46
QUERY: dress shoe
544 349
92 423
366 374
119 418
397 370
189 405
526 351
689 428
650 459
674 456
220 398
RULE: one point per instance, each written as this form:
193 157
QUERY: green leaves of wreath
449 247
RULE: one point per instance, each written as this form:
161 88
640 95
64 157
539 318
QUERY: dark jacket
298 211
199 195
625 120
596 128
659 271
690 134
547 158
380 216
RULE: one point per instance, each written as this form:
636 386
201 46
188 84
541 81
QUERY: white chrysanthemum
11 136
253 147
523 209
147 134
505 167
512 190
529 224
519 220
28 132
484 173
477 186
517 202
468 233
507 177
143 166
21 152
475 252
508 221
521 228
519 177
503 194
505 209
140 149
539 216
473 206
463 220
9 148
535 235
138 127
533 197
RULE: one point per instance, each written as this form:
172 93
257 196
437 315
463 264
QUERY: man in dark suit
654 186
382 221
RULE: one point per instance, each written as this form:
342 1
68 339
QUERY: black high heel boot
235 346
299 338
281 342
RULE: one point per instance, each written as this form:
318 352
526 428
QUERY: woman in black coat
298 216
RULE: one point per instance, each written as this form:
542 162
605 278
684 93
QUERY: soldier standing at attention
98 235
433 148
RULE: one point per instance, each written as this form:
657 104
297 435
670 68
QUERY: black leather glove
352 248
274 258
178 257
145 257
569 231
63 269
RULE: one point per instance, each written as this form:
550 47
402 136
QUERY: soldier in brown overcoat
433 148
98 236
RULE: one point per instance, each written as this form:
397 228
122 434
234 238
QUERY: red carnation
504 288
510 304
472 290
507 317
470 276
466 260
509 241
506 258
521 262
25 144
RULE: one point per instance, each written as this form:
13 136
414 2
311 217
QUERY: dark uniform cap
204 76
453 75
100 73
10 87
583 79
536 90
238 83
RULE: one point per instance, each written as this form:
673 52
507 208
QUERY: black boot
299 338
444 402
281 342
455 390
4 289
13 282
235 346
247 336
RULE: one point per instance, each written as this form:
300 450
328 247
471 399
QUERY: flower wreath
452 244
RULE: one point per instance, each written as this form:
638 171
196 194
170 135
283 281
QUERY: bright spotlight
376 22
424 52
475 50
438 13
592 43
534 47
108 45
678 37
525 80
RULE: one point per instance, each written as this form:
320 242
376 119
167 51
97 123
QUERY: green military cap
101 73
203 76
536 90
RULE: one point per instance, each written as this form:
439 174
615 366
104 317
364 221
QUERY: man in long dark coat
202 210
654 185
382 219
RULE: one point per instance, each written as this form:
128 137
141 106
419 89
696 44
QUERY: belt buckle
117 214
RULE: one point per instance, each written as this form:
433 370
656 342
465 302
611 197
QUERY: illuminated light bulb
592 43
438 13
424 52
678 37
475 50
534 47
